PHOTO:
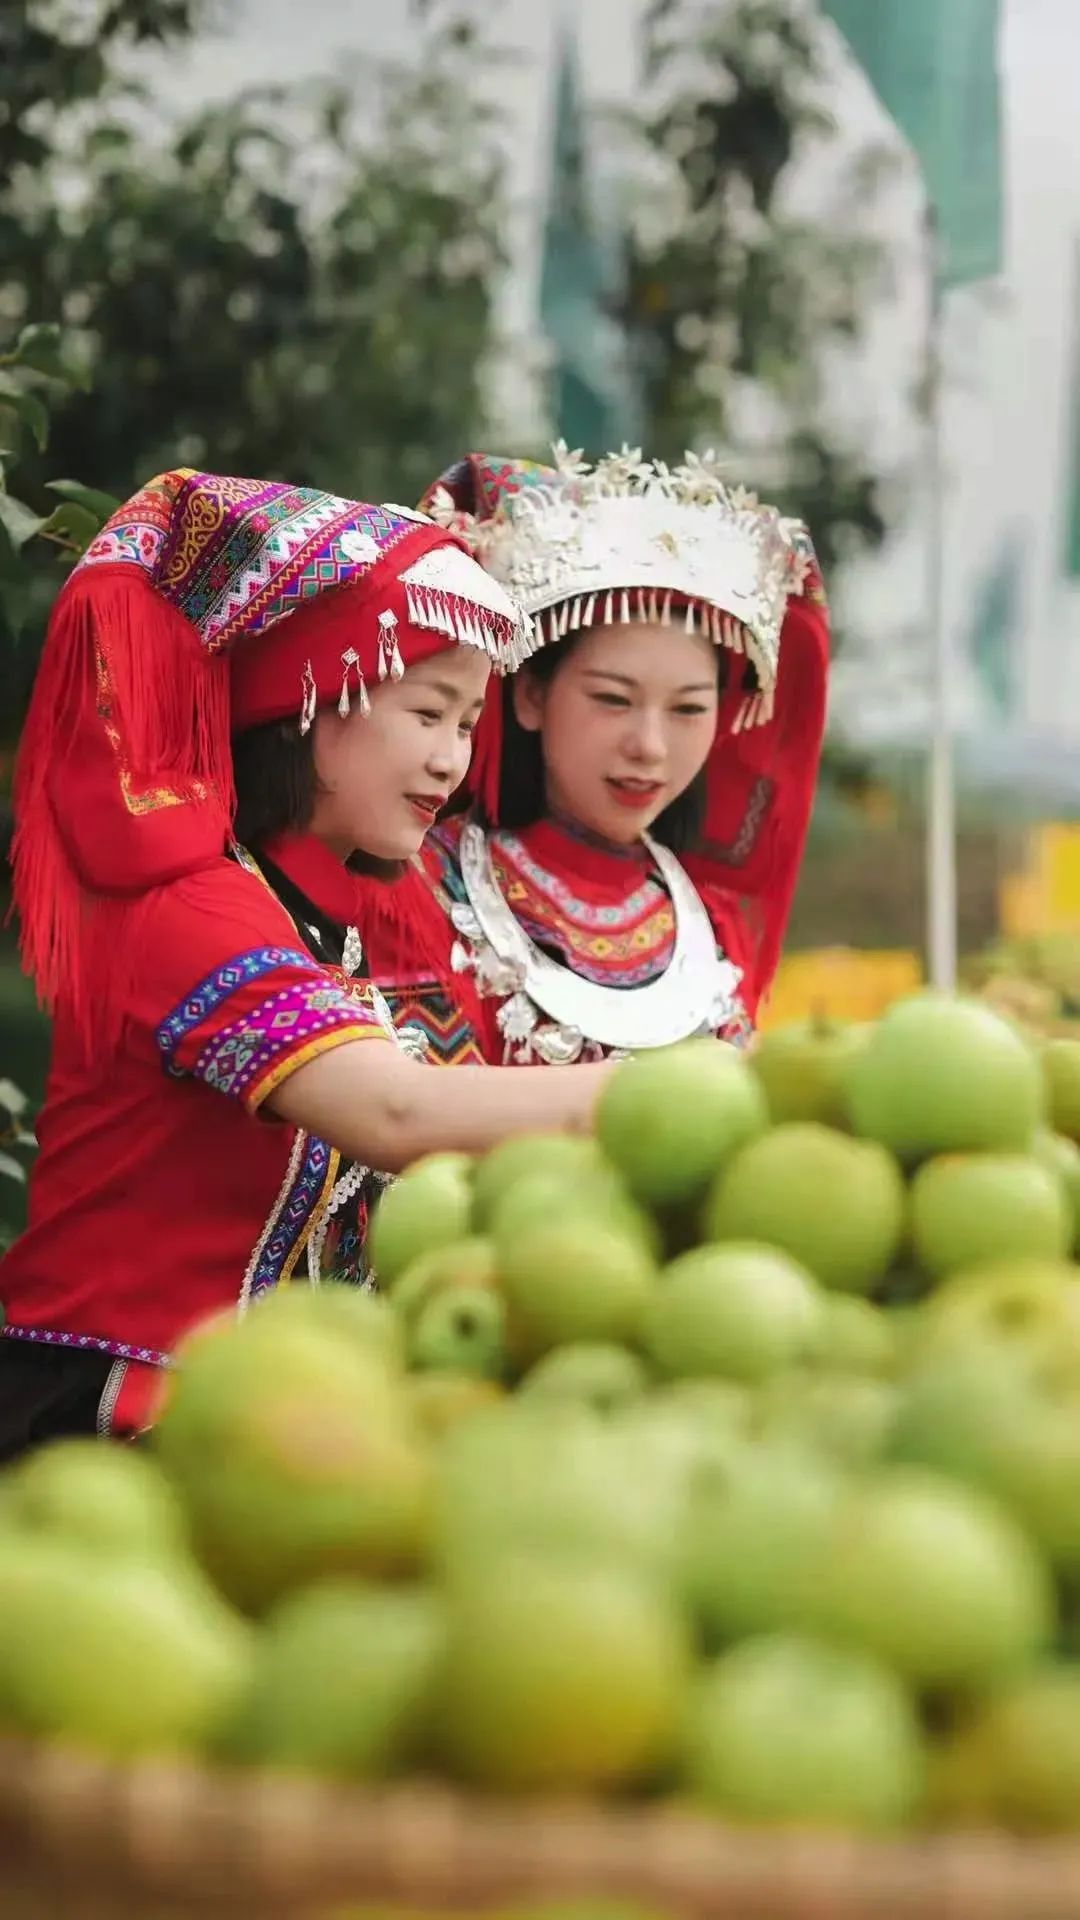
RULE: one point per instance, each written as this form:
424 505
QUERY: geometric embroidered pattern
236 1059
585 912
625 944
235 556
296 1208
217 987
450 1039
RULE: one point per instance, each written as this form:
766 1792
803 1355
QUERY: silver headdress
580 545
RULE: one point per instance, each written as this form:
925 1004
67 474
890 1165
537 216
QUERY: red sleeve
226 993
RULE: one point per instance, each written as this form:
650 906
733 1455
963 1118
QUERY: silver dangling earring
308 698
351 659
391 665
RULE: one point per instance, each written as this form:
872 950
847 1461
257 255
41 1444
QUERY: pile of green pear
729 1456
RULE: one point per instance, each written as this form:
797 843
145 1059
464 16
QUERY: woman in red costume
641 789
245 688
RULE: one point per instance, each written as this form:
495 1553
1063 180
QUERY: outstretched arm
374 1104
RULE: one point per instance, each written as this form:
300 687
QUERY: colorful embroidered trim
557 890
310 1177
86 1342
255 1053
235 556
450 1039
287 1062
217 987
626 945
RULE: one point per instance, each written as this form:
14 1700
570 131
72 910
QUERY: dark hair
521 782
277 786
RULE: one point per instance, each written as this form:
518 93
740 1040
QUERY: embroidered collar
571 854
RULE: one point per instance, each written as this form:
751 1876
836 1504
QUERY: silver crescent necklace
697 992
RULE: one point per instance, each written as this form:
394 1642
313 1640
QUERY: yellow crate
845 982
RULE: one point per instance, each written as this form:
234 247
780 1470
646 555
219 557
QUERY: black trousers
47 1393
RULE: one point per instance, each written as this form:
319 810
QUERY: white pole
941 887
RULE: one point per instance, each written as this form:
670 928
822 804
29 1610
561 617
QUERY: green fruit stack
731 1456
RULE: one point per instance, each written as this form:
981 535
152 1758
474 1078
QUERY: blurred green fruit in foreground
834 1204
1017 1759
1061 1156
341 1682
804 1068
753 1529
93 1494
572 1278
460 1330
592 1374
1001 1417
1061 1076
740 1312
1029 1303
561 1158
441 1401
569 1675
341 1309
554 1488
844 1417
971 1207
124 1656
943 1075
670 1119
935 1579
469 1262
785 1730
296 1455
430 1205
854 1335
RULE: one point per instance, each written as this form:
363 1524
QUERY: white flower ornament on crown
636 539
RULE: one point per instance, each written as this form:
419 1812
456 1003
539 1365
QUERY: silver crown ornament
633 539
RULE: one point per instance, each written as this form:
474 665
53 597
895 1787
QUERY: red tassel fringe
123 783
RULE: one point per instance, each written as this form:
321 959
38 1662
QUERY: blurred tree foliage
734 297
295 284
300 282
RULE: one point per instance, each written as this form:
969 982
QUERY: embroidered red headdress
632 539
206 605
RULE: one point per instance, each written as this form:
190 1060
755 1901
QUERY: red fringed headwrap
124 777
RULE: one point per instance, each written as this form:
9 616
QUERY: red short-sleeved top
159 1195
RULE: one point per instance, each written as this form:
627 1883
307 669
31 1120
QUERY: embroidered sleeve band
246 1027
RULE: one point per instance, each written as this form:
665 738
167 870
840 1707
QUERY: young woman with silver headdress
640 791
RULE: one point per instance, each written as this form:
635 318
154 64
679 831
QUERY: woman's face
626 724
384 775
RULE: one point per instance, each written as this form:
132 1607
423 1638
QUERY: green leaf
12 1169
12 1098
18 521
14 598
29 407
101 505
72 524
41 346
